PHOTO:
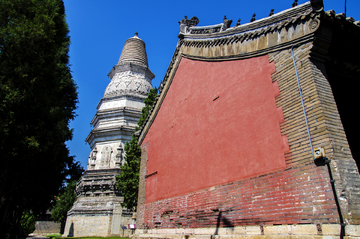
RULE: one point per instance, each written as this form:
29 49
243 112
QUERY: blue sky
99 29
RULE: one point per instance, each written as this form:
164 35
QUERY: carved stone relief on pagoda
107 156
128 82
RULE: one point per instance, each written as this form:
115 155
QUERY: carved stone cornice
104 134
132 67
126 96
125 109
109 114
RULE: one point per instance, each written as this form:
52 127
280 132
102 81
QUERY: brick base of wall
305 231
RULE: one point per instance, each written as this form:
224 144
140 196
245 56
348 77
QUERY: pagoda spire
131 75
134 52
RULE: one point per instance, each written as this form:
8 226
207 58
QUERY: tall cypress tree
128 179
37 100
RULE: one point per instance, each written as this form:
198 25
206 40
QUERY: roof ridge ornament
227 24
253 18
274 21
271 12
317 5
186 23
295 3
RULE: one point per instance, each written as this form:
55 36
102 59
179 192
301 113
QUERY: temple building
254 132
97 210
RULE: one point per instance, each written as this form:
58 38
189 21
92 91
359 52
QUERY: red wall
291 196
217 124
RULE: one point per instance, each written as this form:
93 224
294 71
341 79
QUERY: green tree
149 101
67 196
37 100
128 179
63 204
27 222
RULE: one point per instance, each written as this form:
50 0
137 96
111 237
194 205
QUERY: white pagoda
97 210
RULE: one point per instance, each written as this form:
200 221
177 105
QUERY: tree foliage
37 100
149 101
66 198
128 179
27 222
64 202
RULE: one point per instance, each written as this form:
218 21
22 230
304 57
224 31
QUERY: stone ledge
300 231
352 230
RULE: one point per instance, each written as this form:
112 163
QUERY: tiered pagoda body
97 211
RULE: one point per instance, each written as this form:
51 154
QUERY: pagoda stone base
102 216
97 210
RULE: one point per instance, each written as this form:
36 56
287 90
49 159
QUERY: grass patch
51 236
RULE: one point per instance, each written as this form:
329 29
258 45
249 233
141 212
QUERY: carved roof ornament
227 24
253 18
317 5
273 22
271 12
295 3
350 19
186 23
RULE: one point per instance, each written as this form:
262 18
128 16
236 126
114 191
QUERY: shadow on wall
224 221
